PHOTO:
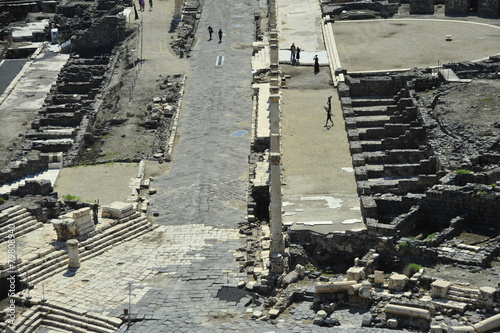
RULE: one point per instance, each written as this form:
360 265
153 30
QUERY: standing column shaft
73 253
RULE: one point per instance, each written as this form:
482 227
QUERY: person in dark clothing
316 64
210 32
297 55
220 35
329 112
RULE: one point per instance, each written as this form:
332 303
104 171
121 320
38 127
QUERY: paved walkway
320 190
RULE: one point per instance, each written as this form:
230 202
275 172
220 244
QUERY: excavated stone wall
421 6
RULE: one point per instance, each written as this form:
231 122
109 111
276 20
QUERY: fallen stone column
488 324
460 329
334 287
408 311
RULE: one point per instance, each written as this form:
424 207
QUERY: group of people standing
294 54
142 4
295 57
211 31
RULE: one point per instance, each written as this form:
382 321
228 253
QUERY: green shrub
462 171
411 269
2 201
71 197
403 243
430 236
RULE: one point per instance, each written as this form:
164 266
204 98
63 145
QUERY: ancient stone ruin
428 179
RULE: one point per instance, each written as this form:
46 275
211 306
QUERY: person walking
329 112
297 55
150 5
293 50
220 35
141 5
316 64
210 32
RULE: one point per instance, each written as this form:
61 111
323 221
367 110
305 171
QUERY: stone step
63 326
59 263
371 133
111 237
375 157
464 290
74 319
462 298
133 234
23 230
26 318
448 304
33 326
371 145
12 212
373 121
99 238
363 102
47 134
370 111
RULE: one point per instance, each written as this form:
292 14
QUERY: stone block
117 210
435 329
439 288
392 323
273 313
487 294
398 282
379 277
356 273
65 228
366 320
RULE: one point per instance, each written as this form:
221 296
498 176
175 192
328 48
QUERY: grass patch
411 269
2 200
462 172
403 243
71 197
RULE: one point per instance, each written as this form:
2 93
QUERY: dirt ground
106 183
147 65
470 127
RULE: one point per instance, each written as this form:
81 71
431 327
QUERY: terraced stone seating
388 145
37 267
59 317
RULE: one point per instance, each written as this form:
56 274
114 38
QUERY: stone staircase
261 59
55 316
388 145
54 165
18 221
55 260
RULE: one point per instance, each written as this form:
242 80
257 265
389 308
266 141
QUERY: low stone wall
375 86
489 8
421 6
444 202
334 246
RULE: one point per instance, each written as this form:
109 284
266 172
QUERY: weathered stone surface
398 282
65 228
439 288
